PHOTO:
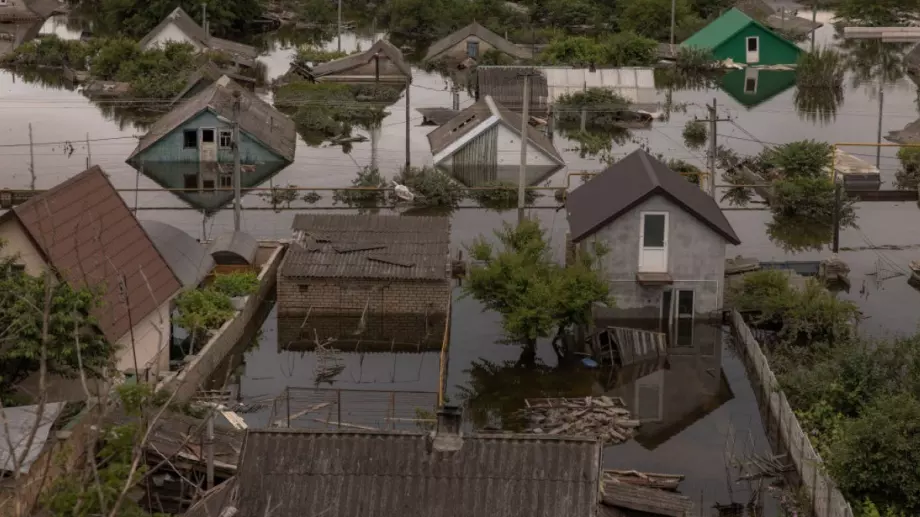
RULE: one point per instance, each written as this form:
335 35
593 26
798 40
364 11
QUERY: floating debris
646 479
603 417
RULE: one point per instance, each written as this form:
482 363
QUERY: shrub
695 134
201 310
501 195
236 284
908 176
368 178
430 186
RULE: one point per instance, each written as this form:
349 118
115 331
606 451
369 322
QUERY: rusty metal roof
369 246
630 181
89 235
379 474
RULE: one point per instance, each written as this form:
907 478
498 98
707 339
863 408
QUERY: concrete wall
151 342
170 148
173 33
187 382
696 260
17 242
343 296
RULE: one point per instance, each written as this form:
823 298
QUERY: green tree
908 176
569 14
629 49
652 18
882 13
534 295
136 19
421 20
574 51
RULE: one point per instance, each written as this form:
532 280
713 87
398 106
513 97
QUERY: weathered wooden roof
207 72
346 63
346 474
642 499
475 29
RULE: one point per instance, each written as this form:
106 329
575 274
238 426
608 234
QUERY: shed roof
724 28
89 235
630 181
187 257
382 46
239 244
259 119
18 425
474 29
196 32
368 246
399 474
482 115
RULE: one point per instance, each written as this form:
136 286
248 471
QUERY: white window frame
667 222
670 316
220 135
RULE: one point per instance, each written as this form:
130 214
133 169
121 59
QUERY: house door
208 148
750 81
653 242
753 50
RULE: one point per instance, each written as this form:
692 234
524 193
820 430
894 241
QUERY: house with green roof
738 37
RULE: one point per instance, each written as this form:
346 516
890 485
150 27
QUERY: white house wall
151 339
509 150
171 32
16 242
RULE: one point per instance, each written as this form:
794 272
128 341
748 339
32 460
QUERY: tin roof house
179 27
471 42
85 232
738 37
381 63
675 264
28 10
191 147
482 144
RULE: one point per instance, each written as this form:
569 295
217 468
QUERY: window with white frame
226 139
653 242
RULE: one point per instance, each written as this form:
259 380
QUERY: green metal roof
719 30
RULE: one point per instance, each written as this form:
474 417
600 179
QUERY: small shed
383 63
234 249
738 37
188 258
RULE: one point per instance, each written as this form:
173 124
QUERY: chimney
447 437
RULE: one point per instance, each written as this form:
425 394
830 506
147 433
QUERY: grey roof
479 113
196 32
437 116
240 244
342 474
474 29
258 119
187 257
630 181
369 246
505 84
346 63
19 422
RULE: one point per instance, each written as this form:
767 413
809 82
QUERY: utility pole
713 146
89 153
204 18
673 21
237 206
31 157
525 123
340 25
814 21
209 450
836 244
408 127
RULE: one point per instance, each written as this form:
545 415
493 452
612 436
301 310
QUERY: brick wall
343 296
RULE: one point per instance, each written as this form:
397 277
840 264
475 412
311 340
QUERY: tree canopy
136 19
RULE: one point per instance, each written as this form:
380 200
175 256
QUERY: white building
179 27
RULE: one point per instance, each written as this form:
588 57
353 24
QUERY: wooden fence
827 501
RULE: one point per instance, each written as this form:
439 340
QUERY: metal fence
827 501
332 408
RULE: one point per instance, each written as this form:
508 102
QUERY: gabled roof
196 32
208 72
479 117
346 63
88 234
257 118
724 28
474 29
381 474
630 181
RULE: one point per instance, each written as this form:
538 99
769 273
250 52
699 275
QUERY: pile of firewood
602 417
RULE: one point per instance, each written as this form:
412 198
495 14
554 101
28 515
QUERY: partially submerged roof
383 474
382 46
208 72
257 118
89 235
190 27
187 257
18 424
724 28
482 115
631 181
234 248
368 246
484 34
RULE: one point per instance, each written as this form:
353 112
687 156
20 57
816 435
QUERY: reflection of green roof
769 84
719 30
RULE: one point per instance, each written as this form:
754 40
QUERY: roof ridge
649 169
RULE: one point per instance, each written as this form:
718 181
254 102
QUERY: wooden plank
642 499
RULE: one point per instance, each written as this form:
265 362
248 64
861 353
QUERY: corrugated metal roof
187 257
369 246
341 474
20 421
628 182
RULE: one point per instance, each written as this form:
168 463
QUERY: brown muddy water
701 398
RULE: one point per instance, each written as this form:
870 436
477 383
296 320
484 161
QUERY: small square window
190 181
3 2
226 139
207 136
190 139
16 268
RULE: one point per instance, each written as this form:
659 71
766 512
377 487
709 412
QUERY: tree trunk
528 354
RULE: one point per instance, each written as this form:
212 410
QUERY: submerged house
28 10
669 238
179 27
191 147
382 63
206 75
738 37
365 264
471 42
84 231
482 144
752 87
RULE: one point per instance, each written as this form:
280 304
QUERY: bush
368 178
908 176
49 51
824 68
201 310
313 54
236 284
501 195
430 186
693 59
623 49
630 49
695 134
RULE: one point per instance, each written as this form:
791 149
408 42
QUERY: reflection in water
752 87
370 333
14 34
818 105
798 234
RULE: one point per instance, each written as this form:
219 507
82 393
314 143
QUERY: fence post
338 407
287 398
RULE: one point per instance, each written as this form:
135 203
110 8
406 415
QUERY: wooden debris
603 417
646 479
643 499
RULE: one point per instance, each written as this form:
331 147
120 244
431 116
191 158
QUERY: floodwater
61 122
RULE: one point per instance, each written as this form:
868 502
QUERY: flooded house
752 87
482 144
674 267
85 232
179 27
14 34
206 75
17 11
471 42
382 63
191 148
738 37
